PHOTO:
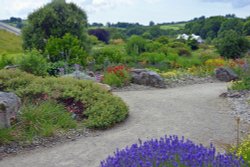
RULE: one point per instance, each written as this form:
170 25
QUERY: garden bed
55 110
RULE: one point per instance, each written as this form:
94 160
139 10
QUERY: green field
10 43
173 26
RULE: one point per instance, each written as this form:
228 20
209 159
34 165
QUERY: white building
193 36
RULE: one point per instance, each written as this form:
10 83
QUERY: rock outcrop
225 74
148 78
10 105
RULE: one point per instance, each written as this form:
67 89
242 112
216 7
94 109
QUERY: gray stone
9 107
11 67
148 78
225 74
80 75
104 86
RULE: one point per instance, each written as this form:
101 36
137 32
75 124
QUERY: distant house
193 36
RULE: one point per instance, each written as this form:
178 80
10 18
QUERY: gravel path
194 111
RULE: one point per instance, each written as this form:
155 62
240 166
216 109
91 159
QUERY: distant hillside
10 43
176 26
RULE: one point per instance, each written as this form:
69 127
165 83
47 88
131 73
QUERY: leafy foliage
67 49
244 150
33 62
117 76
54 19
136 45
111 53
101 111
9 59
232 45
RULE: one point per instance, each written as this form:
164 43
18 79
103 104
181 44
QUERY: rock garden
85 89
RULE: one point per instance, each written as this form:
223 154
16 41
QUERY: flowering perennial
118 70
170 152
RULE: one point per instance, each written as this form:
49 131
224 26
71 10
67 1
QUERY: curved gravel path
194 111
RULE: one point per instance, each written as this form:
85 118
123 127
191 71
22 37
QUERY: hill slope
10 43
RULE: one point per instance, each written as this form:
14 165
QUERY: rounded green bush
102 109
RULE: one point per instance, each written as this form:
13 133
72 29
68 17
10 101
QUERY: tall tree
54 19
232 45
235 24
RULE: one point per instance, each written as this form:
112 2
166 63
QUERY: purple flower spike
170 151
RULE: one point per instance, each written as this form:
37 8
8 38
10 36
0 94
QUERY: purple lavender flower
170 152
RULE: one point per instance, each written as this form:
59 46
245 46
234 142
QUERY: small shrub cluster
102 108
117 76
243 84
33 62
9 59
173 152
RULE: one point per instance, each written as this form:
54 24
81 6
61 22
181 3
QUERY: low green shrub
9 59
106 111
187 62
243 84
112 80
33 62
30 87
152 58
114 54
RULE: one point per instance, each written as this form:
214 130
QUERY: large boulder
225 74
148 78
9 107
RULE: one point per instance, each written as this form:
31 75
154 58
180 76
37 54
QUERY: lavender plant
171 152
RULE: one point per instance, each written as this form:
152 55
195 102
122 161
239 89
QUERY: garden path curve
194 111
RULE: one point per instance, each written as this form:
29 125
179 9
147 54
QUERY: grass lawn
173 26
10 43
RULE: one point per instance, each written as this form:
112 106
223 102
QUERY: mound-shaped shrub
102 109
172 152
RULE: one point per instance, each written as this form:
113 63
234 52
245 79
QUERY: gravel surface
170 83
196 112
240 103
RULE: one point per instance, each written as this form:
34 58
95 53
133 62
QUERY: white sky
142 11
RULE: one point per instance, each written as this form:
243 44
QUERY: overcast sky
142 11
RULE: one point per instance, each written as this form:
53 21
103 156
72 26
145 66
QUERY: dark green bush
91 95
232 45
183 52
